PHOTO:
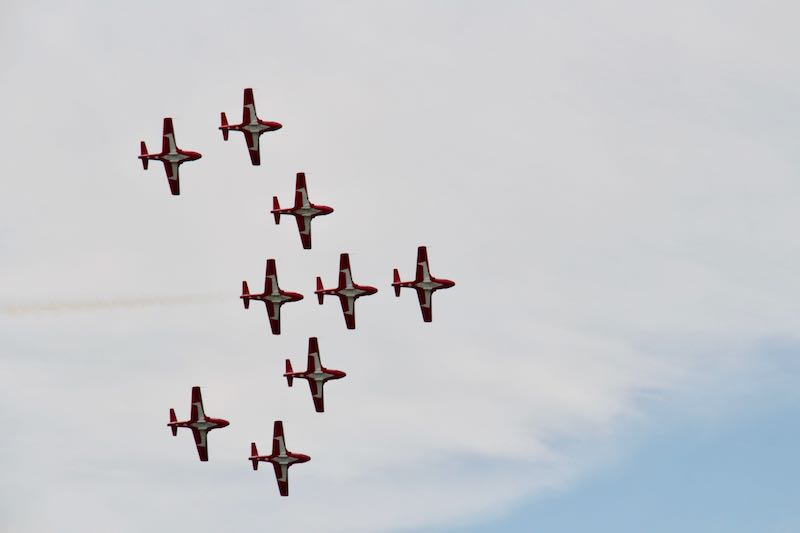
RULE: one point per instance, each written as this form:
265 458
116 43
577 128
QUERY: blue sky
682 472
735 473
738 477
613 187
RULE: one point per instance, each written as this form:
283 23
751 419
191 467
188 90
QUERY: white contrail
112 304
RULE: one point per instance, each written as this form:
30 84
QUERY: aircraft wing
317 394
278 442
304 227
201 443
274 315
172 177
345 275
314 364
282 476
248 108
253 147
168 145
423 271
349 310
271 278
198 414
301 191
425 304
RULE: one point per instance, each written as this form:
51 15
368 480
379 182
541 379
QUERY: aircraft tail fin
320 294
289 370
143 156
254 453
172 420
245 295
224 126
396 283
275 208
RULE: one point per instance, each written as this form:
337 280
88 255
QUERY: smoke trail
113 304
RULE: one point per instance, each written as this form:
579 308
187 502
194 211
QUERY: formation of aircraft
315 374
251 126
172 156
273 297
424 283
280 458
198 422
347 291
303 211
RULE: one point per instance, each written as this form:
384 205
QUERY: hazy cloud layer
613 189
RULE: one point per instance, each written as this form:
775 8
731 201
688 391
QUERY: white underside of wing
426 274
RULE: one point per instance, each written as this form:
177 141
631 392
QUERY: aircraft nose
298 296
224 423
277 125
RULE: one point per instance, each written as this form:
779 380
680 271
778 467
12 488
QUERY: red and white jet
316 374
273 297
170 155
347 291
303 210
425 284
251 126
199 423
280 458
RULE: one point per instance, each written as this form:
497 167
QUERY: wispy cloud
112 304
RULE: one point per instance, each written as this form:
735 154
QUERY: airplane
170 155
251 126
280 458
347 291
303 210
424 283
199 423
316 374
273 297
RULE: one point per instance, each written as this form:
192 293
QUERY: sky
612 187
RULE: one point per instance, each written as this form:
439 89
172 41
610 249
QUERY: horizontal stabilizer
254 453
396 283
320 294
224 126
275 209
288 372
143 156
173 419
245 295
